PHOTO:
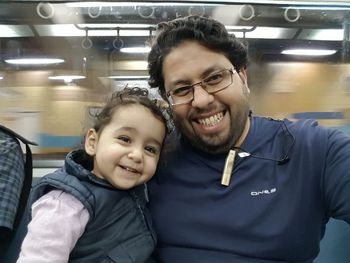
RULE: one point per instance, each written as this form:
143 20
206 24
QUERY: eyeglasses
213 83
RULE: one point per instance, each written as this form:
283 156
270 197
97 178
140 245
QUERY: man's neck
244 133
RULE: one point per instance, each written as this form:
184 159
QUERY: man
11 181
234 187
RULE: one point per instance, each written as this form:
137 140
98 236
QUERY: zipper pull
229 162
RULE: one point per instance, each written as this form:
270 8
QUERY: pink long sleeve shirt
58 221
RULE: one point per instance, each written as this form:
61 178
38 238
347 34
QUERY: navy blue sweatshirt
280 197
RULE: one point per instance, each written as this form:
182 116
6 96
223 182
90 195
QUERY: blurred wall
278 89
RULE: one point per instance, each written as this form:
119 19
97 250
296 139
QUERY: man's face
212 122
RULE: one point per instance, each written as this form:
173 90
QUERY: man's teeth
212 120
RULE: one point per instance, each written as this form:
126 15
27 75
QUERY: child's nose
135 154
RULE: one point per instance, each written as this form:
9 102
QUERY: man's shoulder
288 121
10 150
311 130
6 140
311 127
302 130
293 124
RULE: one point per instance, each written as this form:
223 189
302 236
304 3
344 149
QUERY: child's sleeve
58 221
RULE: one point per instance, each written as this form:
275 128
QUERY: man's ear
244 77
91 142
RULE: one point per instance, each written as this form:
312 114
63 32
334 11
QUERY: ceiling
90 36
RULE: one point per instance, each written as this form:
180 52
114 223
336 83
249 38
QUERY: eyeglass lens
212 83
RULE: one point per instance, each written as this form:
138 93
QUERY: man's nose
201 98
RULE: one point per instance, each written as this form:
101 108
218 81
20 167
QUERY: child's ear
91 142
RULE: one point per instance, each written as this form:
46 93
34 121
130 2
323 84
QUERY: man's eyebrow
211 69
180 82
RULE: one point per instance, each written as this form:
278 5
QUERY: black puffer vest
119 228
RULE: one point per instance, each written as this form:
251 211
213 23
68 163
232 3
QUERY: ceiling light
112 26
309 52
263 32
128 4
239 28
1 77
70 30
15 31
135 49
130 65
61 30
67 78
322 34
34 61
318 7
128 77
134 33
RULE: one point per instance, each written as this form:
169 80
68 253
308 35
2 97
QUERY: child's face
127 150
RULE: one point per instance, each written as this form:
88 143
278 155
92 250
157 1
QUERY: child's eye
151 149
124 139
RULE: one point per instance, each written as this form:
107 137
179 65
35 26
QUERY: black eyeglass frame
203 85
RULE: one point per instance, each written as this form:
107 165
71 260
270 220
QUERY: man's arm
336 183
11 180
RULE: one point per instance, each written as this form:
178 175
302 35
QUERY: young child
93 209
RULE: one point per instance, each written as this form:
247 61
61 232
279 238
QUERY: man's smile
211 120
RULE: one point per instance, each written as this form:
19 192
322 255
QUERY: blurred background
61 59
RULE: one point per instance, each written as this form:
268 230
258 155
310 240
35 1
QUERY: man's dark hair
206 31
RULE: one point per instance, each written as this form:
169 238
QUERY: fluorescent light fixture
238 28
268 32
67 78
309 52
128 4
70 30
128 77
34 61
15 31
133 65
264 32
115 26
59 30
134 33
322 34
318 7
135 49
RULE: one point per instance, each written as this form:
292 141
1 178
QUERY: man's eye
214 79
151 149
182 91
124 139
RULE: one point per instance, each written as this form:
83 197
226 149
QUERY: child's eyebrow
159 143
132 129
125 128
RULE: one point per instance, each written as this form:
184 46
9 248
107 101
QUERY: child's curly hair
127 96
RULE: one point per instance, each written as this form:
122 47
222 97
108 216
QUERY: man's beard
217 145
